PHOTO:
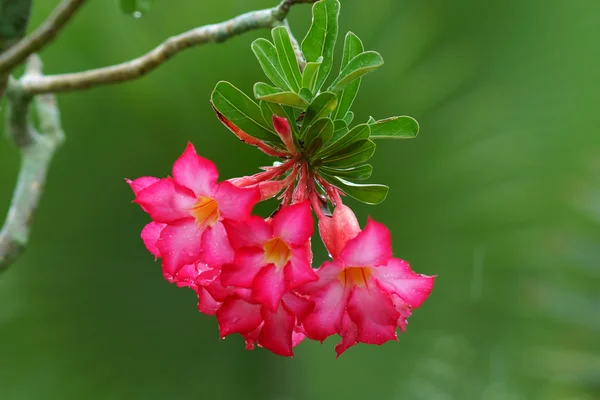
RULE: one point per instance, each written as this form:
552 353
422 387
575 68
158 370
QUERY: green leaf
394 128
136 8
306 95
359 132
352 47
371 120
366 193
287 57
357 153
265 92
268 109
322 130
321 107
358 66
241 111
349 117
266 53
14 16
321 37
360 173
309 76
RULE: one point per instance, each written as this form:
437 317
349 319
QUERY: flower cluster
255 274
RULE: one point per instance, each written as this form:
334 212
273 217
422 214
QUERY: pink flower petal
371 247
238 316
297 337
180 244
349 335
337 230
373 312
269 286
299 306
327 274
206 304
216 249
294 224
150 235
276 333
234 202
330 303
298 270
195 172
248 261
166 201
253 232
397 277
139 184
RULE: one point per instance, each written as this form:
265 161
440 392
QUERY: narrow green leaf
357 153
394 128
136 8
366 193
269 109
371 120
321 37
349 117
321 107
358 66
306 95
265 92
321 129
359 132
340 129
266 53
360 173
352 47
241 111
287 57
309 76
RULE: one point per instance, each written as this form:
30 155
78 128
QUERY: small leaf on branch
321 129
265 92
366 193
269 109
287 57
394 128
321 37
266 54
359 132
352 47
309 77
357 153
359 173
349 117
321 107
358 66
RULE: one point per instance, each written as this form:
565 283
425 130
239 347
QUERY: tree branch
140 66
41 36
37 149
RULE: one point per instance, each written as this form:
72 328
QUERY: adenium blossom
364 294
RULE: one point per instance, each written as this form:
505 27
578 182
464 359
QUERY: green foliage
14 15
320 119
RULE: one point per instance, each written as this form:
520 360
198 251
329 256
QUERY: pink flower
363 294
273 257
188 212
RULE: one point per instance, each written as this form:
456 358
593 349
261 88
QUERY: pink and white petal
326 319
234 202
150 235
166 201
338 229
373 312
298 270
297 337
269 286
294 224
404 311
246 264
252 337
206 303
371 247
187 276
195 172
180 244
276 333
299 306
139 184
238 316
397 277
349 335
253 232
216 249
328 272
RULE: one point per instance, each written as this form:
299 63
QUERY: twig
140 66
41 36
37 149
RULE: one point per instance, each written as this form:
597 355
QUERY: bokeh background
499 196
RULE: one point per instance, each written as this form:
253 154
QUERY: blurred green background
499 196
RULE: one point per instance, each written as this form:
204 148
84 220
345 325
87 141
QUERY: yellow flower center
206 211
277 252
355 276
